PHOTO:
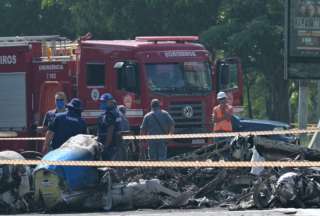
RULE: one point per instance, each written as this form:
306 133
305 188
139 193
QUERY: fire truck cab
174 69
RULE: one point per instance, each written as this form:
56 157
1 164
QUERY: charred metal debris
57 188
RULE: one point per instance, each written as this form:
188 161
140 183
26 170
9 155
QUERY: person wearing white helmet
222 114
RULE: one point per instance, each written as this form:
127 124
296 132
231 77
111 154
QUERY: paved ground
205 212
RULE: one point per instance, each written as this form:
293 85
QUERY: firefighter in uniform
109 126
64 126
222 114
60 102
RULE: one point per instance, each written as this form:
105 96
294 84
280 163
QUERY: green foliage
123 19
250 29
30 17
253 30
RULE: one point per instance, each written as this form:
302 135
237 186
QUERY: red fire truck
175 69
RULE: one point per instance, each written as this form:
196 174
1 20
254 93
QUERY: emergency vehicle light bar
15 44
155 39
33 38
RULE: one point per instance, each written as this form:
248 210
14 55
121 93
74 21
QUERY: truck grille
188 116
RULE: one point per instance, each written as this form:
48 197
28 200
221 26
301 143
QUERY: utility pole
303 108
315 141
318 100
303 104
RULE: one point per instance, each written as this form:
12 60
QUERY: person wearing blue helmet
109 126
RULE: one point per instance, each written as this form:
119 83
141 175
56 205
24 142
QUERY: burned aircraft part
297 190
87 142
212 151
15 186
287 189
276 150
212 185
202 202
237 149
31 155
238 181
144 194
134 195
53 183
123 189
68 184
264 192
240 148
244 202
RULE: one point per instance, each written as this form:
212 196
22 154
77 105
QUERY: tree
123 19
253 30
28 17
250 29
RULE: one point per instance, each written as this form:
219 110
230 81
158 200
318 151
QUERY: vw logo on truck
188 111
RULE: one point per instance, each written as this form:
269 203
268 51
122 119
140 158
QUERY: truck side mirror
128 77
224 75
131 76
118 65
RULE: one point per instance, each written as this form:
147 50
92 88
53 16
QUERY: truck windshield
179 77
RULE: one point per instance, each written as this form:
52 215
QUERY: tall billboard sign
302 46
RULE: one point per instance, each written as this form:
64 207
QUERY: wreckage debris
15 185
297 190
62 187
56 186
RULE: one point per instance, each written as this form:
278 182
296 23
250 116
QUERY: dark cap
155 103
75 104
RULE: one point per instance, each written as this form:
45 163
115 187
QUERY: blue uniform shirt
49 117
124 123
107 119
66 125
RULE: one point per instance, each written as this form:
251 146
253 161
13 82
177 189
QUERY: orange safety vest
224 125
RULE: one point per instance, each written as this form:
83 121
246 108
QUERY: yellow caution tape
217 135
194 135
177 164
21 138
167 164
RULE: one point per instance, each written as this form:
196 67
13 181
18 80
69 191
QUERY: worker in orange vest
222 114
